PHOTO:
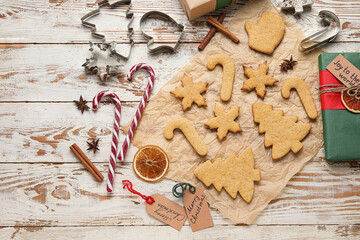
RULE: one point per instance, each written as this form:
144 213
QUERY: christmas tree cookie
283 133
235 174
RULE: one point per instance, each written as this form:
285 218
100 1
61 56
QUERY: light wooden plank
53 72
43 132
164 232
67 195
43 21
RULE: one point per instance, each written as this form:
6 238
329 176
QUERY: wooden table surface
46 193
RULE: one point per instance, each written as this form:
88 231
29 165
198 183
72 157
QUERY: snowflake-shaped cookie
258 79
191 92
224 121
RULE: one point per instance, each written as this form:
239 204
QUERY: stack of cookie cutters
328 34
150 44
111 46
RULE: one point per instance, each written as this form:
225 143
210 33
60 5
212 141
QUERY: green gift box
341 127
198 8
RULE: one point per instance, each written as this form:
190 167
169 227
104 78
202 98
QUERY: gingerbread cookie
190 93
304 94
228 73
235 174
224 121
266 35
258 79
284 133
189 131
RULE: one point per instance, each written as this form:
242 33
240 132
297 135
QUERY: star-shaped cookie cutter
296 5
163 16
130 16
104 72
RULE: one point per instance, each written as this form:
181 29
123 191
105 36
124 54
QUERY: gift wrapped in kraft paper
275 174
198 8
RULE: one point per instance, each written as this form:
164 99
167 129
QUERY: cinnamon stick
211 33
87 163
222 29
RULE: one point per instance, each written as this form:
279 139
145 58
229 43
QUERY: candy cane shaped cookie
115 136
304 94
141 107
228 73
189 131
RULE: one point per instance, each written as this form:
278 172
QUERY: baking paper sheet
183 158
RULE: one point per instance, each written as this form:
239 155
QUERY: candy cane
115 136
141 107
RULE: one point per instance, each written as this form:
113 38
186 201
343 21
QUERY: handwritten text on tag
344 71
197 210
167 211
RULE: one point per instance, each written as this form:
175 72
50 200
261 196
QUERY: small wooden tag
344 71
167 211
197 210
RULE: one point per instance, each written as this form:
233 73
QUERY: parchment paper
183 158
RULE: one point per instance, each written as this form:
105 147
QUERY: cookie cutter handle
331 22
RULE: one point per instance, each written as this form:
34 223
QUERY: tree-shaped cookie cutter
331 23
130 16
162 16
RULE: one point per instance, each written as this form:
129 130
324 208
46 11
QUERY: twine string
183 187
353 91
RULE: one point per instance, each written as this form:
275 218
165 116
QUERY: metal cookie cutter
93 64
130 16
163 16
332 27
296 5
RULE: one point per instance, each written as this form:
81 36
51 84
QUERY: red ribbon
330 100
150 200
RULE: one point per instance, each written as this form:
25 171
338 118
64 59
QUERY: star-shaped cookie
191 92
258 79
224 121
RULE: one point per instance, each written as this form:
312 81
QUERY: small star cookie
258 79
224 121
191 92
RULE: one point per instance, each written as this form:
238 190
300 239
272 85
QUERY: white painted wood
67 195
54 21
165 232
43 132
45 193
53 72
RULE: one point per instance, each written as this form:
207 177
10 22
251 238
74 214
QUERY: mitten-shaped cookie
266 35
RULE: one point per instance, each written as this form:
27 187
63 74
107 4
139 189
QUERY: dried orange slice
351 100
151 163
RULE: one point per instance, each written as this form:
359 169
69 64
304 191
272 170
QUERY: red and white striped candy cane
141 107
115 136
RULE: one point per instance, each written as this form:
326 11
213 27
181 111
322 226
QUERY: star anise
93 145
288 64
81 104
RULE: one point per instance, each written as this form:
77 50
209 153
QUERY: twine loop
183 187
